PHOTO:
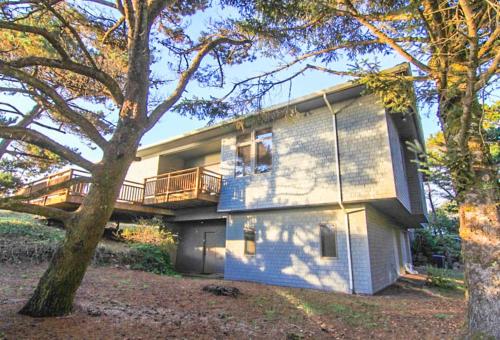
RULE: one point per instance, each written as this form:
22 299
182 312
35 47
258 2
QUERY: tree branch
186 76
62 106
38 31
38 139
384 38
34 209
23 123
74 33
80 69
492 70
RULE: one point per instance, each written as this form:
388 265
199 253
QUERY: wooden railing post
144 191
168 187
197 182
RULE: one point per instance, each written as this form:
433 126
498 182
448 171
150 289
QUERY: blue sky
173 124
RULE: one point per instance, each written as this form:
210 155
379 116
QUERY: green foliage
152 259
439 237
151 231
441 278
14 225
395 90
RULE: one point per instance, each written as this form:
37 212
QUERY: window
249 237
254 152
263 150
243 161
327 240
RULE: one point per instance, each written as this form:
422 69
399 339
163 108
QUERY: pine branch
187 74
80 69
62 106
38 139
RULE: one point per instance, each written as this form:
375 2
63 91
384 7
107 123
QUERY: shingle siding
398 164
304 170
382 240
365 156
288 249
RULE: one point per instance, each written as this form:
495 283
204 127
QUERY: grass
353 313
17 225
23 238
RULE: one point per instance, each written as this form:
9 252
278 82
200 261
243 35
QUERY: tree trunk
57 288
480 233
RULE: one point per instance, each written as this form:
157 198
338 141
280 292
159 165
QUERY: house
317 193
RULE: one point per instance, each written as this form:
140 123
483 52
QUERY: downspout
339 193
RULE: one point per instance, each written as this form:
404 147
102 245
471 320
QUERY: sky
173 124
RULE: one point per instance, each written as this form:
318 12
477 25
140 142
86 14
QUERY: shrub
442 278
152 258
152 232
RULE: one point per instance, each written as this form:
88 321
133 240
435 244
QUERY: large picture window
254 152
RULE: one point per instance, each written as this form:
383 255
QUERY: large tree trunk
57 288
480 233
475 180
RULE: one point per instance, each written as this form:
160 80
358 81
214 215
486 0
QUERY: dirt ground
116 303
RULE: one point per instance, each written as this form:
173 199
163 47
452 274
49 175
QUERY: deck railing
194 180
130 192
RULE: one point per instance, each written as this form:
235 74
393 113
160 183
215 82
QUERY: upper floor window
254 152
327 240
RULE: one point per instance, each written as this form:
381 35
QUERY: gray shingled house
318 192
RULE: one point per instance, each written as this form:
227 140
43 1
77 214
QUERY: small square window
249 237
327 240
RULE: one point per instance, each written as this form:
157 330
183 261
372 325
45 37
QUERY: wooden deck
156 196
184 188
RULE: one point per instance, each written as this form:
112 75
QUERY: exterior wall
365 155
210 162
384 248
170 163
415 183
303 170
288 249
398 163
191 240
302 173
146 167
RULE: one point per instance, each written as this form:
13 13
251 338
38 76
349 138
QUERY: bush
152 232
442 278
152 258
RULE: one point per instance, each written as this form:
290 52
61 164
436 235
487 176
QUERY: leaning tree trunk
57 288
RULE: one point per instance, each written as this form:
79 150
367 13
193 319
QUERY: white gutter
339 192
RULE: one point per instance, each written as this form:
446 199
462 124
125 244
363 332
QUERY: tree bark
56 290
480 233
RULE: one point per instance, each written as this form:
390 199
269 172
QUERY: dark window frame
328 250
246 250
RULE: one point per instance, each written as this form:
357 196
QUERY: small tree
87 68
